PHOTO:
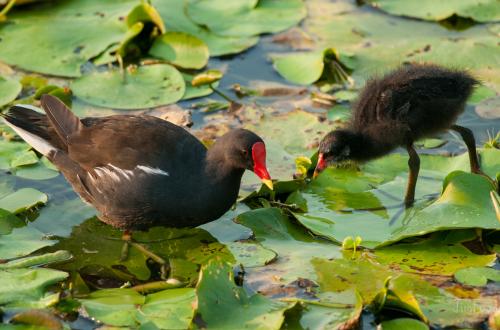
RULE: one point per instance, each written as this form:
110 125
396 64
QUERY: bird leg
414 165
129 242
468 138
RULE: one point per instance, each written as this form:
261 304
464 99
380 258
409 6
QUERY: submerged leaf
477 276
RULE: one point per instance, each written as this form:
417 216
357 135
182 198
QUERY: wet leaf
300 68
477 276
181 49
144 12
9 89
223 305
144 87
479 10
248 17
38 318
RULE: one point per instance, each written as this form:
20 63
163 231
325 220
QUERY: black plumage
410 103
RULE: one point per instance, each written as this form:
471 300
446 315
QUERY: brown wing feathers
62 119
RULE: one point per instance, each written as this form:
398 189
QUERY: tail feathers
60 116
32 127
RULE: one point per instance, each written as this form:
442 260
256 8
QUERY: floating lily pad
479 10
25 285
300 68
22 200
404 323
174 15
143 87
168 309
63 36
477 276
246 18
181 49
223 305
9 89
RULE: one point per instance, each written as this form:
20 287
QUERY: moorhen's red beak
320 166
259 163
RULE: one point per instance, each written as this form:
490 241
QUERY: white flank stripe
151 170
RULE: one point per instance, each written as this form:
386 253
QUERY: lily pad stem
5 10
317 303
224 96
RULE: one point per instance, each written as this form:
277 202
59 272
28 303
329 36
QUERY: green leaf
9 89
144 12
173 14
300 68
25 285
27 158
181 49
403 323
433 256
248 17
477 276
223 305
479 10
22 241
22 200
144 87
294 247
168 309
250 254
114 306
89 28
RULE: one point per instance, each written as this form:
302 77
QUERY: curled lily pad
206 78
181 49
9 89
144 12
403 323
136 88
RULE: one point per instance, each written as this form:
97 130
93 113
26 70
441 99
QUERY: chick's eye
244 152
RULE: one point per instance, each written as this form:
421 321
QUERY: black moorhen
410 103
142 171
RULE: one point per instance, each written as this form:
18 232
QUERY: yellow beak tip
268 183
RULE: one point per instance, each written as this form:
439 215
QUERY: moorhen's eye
245 153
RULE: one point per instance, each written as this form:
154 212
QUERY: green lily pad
22 200
246 18
24 285
477 276
206 78
144 12
368 204
300 68
479 10
430 143
367 33
89 28
181 49
294 247
404 323
433 256
22 241
223 305
174 15
250 254
144 87
9 89
168 309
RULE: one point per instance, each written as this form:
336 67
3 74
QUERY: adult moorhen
410 103
141 171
